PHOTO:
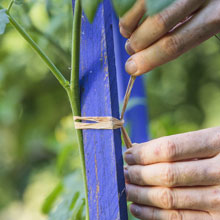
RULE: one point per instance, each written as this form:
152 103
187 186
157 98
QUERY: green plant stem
73 93
72 88
10 5
44 57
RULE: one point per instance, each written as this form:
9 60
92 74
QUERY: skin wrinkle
205 171
153 51
178 176
186 147
160 24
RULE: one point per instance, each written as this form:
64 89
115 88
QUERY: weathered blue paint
99 97
136 115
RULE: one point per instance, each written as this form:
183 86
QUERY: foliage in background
122 6
155 6
3 20
39 160
184 95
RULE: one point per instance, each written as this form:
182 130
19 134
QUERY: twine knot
108 123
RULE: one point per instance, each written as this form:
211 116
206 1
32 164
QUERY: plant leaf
71 201
79 209
155 6
122 6
3 20
90 8
51 199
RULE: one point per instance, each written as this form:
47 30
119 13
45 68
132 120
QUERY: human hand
175 177
167 35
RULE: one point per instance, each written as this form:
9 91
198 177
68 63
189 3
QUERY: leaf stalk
56 72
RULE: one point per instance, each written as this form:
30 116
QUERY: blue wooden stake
99 97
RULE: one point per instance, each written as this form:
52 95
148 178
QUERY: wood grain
99 97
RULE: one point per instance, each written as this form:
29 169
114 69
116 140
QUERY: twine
108 123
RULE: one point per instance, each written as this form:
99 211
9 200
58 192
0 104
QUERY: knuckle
160 21
170 149
166 198
172 46
175 215
169 176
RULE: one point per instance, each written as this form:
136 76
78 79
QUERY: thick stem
74 93
44 57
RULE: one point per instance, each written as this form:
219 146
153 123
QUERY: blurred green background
38 150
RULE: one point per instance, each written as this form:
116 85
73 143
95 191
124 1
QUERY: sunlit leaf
51 199
155 6
122 6
90 8
79 210
3 20
74 200
70 204
64 158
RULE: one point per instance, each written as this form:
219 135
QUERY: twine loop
108 123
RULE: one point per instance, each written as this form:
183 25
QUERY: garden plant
71 86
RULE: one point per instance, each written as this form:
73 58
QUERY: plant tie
108 123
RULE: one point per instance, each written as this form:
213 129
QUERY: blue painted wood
136 116
99 97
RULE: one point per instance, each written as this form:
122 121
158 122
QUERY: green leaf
3 20
71 203
51 199
122 6
90 8
64 158
79 209
74 200
156 6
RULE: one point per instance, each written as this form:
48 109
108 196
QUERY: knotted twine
108 123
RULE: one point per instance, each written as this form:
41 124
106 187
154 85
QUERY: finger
201 27
191 145
130 20
149 213
191 173
155 27
198 198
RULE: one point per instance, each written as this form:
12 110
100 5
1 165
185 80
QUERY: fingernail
127 178
135 210
125 33
131 67
128 48
129 158
126 191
